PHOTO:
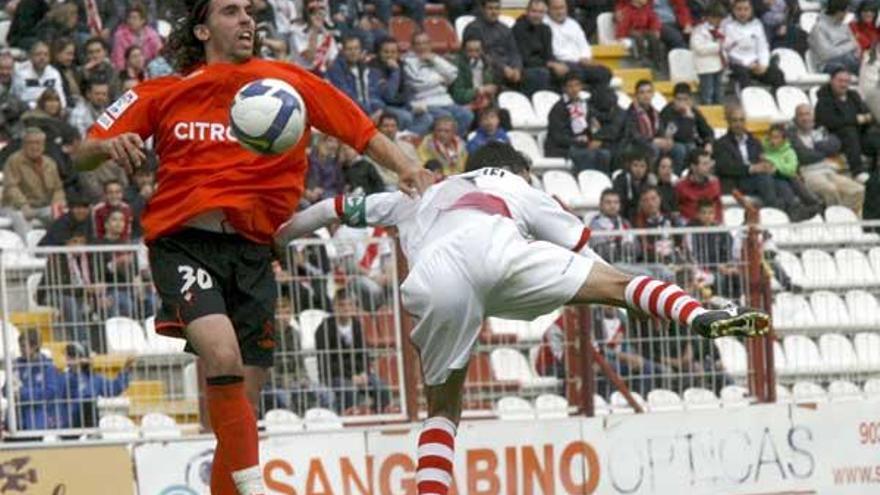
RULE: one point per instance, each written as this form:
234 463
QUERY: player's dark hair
184 50
498 155
682 88
571 76
632 155
349 38
608 192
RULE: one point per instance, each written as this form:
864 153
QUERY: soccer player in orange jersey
209 225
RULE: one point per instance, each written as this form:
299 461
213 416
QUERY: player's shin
662 300
436 456
235 426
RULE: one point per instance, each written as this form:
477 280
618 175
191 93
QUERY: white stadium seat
792 312
843 391
543 102
864 311
282 421
700 398
820 269
624 100
33 237
874 258
779 360
829 310
562 185
117 427
522 115
838 354
190 382
525 144
733 354
792 266
511 365
157 425
12 335
551 406
867 346
872 389
619 405
308 322
606 32
525 331
124 335
759 104
658 101
734 396
734 216
789 98
461 23
600 406
802 356
592 183
849 233
795 69
854 268
661 399
320 419
808 392
160 344
514 409
507 20
814 94
779 225
783 394
681 65
808 20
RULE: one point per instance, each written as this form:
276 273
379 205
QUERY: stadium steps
611 56
630 77
40 320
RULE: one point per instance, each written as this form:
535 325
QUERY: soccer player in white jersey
485 243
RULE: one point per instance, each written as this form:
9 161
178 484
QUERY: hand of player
127 150
415 180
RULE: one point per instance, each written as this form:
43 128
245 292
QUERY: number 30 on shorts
192 276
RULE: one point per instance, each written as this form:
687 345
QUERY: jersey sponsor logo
105 121
203 131
122 104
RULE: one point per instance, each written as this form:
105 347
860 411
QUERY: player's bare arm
414 179
126 149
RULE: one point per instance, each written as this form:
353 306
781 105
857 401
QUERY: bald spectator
32 186
87 111
815 148
571 47
35 75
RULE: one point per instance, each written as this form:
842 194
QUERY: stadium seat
809 5
308 322
190 382
814 94
795 69
874 258
783 394
514 409
461 23
681 66
156 425
802 356
15 255
660 400
282 421
511 365
12 339
551 406
320 419
867 346
779 361
792 266
788 98
820 270
624 100
700 398
619 405
872 389
808 392
808 20
563 186
606 32
592 183
792 312
311 365
600 406
522 115
759 104
850 233
734 396
542 102
810 232
658 101
734 216
838 354
829 310
864 311
525 144
525 331
733 354
124 335
117 427
402 29
844 391
34 237
854 269
33 285
507 20
442 35
778 224
160 344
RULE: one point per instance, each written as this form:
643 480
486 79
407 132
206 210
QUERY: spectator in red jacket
699 185
865 28
113 193
637 20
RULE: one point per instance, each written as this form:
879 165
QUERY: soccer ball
268 116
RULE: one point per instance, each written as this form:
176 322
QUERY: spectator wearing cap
502 51
535 42
87 111
864 27
489 130
32 186
569 131
81 387
98 66
571 47
476 85
355 78
430 76
135 32
445 146
39 394
36 75
831 40
684 122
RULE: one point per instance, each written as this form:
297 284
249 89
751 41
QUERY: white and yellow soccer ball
268 116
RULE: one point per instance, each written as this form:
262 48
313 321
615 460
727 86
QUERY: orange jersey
201 165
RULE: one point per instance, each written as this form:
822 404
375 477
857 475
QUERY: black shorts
199 273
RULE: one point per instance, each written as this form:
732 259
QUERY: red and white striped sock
663 300
436 454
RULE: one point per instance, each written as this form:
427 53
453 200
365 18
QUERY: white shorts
481 269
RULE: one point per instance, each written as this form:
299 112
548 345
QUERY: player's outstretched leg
606 285
436 451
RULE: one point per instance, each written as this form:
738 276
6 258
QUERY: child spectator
864 27
632 181
706 43
638 21
445 146
81 387
714 254
779 152
747 50
489 130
